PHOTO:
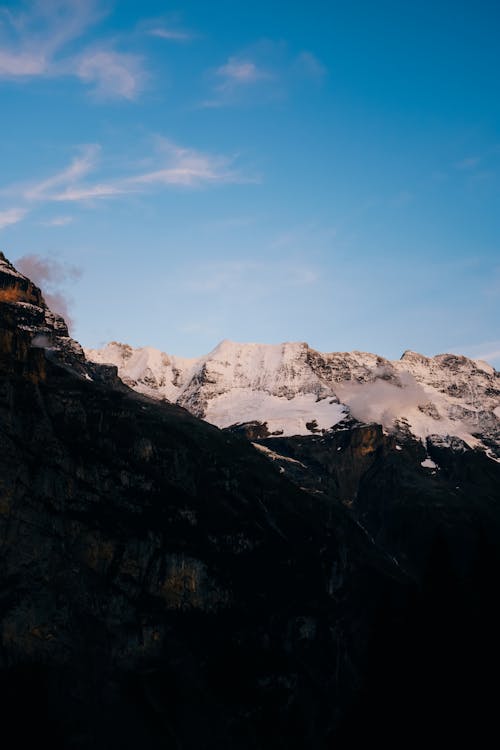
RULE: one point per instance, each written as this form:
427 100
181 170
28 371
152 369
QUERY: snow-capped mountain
288 389
292 389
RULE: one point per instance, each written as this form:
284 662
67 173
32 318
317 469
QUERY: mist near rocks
382 400
52 276
40 342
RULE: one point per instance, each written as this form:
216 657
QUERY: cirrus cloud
112 74
91 177
264 71
12 216
40 42
172 35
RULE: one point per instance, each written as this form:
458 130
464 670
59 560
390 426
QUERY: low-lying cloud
51 276
382 401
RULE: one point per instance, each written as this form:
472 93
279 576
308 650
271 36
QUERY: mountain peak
296 390
28 317
410 355
6 266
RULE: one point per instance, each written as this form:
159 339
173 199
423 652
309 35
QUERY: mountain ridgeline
310 578
293 389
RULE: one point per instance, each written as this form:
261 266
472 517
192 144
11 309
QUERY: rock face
164 584
402 492
295 390
47 329
31 333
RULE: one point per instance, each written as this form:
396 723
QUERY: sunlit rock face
32 313
33 333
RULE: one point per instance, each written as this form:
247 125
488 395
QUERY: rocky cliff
47 330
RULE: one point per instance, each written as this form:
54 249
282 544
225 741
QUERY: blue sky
267 171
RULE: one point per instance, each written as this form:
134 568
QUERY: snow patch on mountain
282 415
428 463
297 390
146 369
277 456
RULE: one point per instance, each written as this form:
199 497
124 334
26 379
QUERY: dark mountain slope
162 585
402 493
432 679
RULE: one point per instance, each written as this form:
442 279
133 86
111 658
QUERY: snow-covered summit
295 389
148 370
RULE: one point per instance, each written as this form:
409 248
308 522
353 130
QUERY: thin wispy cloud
488 351
89 193
21 64
473 168
470 162
112 74
266 70
40 42
78 168
490 354
188 167
58 221
88 178
172 35
169 27
309 66
240 71
32 38
242 78
12 216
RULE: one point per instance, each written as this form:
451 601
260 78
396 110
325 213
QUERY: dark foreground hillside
163 586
